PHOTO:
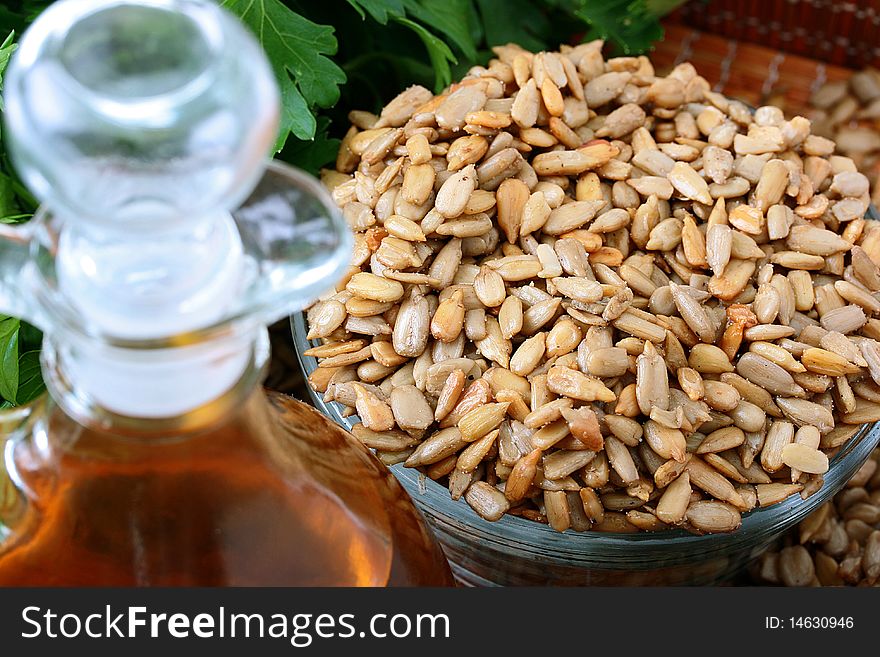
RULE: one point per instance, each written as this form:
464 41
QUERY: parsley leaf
8 207
6 50
30 384
516 21
450 18
313 154
298 50
380 10
628 24
21 379
9 372
440 54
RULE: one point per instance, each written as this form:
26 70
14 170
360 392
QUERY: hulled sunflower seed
652 384
804 458
486 500
713 517
689 184
411 409
575 385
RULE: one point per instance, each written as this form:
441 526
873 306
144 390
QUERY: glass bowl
517 552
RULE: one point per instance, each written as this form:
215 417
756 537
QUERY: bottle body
274 495
164 246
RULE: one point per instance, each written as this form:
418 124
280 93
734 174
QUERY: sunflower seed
713 517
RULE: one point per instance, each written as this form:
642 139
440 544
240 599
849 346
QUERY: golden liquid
277 496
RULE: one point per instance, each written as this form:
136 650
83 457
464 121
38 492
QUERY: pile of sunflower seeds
838 545
848 111
598 298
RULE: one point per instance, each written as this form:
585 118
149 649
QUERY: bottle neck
154 391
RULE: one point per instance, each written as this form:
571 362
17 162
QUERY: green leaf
15 218
8 20
29 337
440 54
17 15
8 206
449 18
31 383
514 21
9 371
6 50
32 8
380 10
314 154
26 200
21 379
296 116
297 49
627 24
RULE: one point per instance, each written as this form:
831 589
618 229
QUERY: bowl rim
536 538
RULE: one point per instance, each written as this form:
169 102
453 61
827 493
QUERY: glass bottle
164 246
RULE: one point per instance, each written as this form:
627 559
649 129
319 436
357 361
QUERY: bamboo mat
841 32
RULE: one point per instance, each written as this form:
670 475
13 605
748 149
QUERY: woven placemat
839 32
